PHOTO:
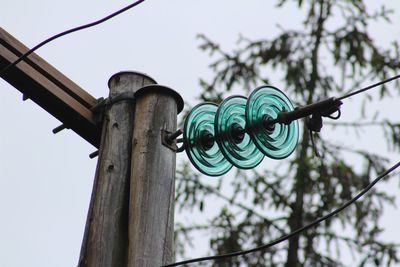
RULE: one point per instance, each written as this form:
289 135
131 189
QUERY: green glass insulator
231 136
199 141
276 141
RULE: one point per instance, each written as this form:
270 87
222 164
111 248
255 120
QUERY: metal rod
325 106
59 128
269 124
207 139
173 136
94 154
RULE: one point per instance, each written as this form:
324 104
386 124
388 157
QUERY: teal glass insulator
276 141
231 136
199 141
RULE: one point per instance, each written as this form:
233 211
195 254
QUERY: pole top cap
137 73
160 89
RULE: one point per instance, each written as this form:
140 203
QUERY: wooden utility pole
152 187
105 241
130 218
135 176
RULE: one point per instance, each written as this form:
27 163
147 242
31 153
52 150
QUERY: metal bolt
171 138
269 123
237 132
207 140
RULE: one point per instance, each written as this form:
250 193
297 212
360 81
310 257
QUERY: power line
369 87
91 24
298 231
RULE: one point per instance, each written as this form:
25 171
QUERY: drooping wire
298 231
91 24
369 87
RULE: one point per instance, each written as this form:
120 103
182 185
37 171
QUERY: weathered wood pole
105 241
152 188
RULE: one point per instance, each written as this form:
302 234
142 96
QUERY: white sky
46 179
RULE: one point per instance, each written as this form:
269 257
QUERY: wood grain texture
151 209
105 241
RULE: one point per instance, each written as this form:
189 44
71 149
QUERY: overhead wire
52 38
294 233
369 87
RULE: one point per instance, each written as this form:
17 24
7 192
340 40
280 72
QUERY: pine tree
332 54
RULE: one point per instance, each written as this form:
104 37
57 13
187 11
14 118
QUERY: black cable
290 235
91 24
369 87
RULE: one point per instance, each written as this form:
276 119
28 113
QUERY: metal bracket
60 128
94 154
166 140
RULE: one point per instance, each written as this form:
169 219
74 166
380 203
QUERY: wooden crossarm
50 89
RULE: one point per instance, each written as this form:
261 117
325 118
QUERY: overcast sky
46 179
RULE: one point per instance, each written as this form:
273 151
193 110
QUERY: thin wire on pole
369 87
